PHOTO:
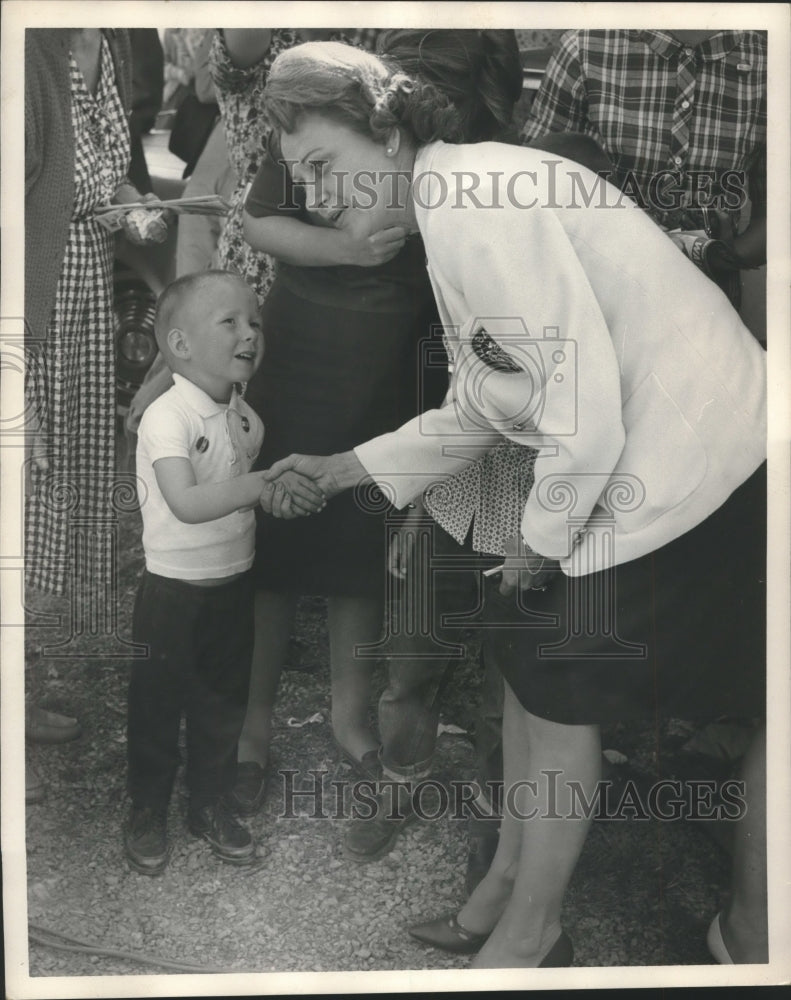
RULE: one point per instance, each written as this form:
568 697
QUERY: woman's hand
524 568
402 544
142 226
332 474
291 495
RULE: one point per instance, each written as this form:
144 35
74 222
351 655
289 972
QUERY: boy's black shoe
145 839
228 839
247 795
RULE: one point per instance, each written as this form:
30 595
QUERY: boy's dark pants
200 643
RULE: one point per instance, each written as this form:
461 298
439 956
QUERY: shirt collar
667 46
200 401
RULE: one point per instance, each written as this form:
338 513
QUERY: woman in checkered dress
77 155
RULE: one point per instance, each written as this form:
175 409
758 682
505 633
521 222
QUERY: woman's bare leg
551 841
353 621
274 618
744 921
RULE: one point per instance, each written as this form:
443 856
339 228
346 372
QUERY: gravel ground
642 894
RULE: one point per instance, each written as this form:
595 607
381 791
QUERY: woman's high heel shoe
560 955
716 945
448 934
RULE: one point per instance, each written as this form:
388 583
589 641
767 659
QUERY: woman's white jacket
637 382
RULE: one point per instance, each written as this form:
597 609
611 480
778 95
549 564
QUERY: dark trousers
200 642
430 616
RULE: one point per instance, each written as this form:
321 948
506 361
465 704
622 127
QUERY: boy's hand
306 497
321 470
291 495
275 501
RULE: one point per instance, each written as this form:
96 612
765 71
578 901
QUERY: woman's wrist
347 470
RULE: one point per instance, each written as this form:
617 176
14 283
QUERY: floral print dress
240 96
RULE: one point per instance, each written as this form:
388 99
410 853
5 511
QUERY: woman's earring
389 149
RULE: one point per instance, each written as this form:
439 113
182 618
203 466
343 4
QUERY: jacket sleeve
428 448
521 267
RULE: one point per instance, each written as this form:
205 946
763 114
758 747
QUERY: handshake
300 485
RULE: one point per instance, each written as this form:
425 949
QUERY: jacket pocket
662 463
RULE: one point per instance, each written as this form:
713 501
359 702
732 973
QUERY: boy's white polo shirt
221 441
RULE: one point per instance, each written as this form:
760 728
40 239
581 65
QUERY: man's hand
524 568
291 495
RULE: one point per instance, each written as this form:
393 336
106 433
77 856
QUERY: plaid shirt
656 104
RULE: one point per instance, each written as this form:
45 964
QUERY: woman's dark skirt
679 632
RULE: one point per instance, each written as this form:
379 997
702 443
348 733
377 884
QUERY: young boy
194 606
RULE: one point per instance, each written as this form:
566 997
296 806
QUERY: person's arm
274 223
289 495
560 104
247 46
299 243
195 503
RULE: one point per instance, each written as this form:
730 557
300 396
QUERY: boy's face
222 327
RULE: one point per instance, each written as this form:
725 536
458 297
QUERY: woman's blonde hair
359 90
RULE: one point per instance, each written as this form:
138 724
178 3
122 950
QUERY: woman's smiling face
342 170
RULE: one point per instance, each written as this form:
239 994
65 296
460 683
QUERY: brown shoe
145 839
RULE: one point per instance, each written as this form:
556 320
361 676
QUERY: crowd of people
594 431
